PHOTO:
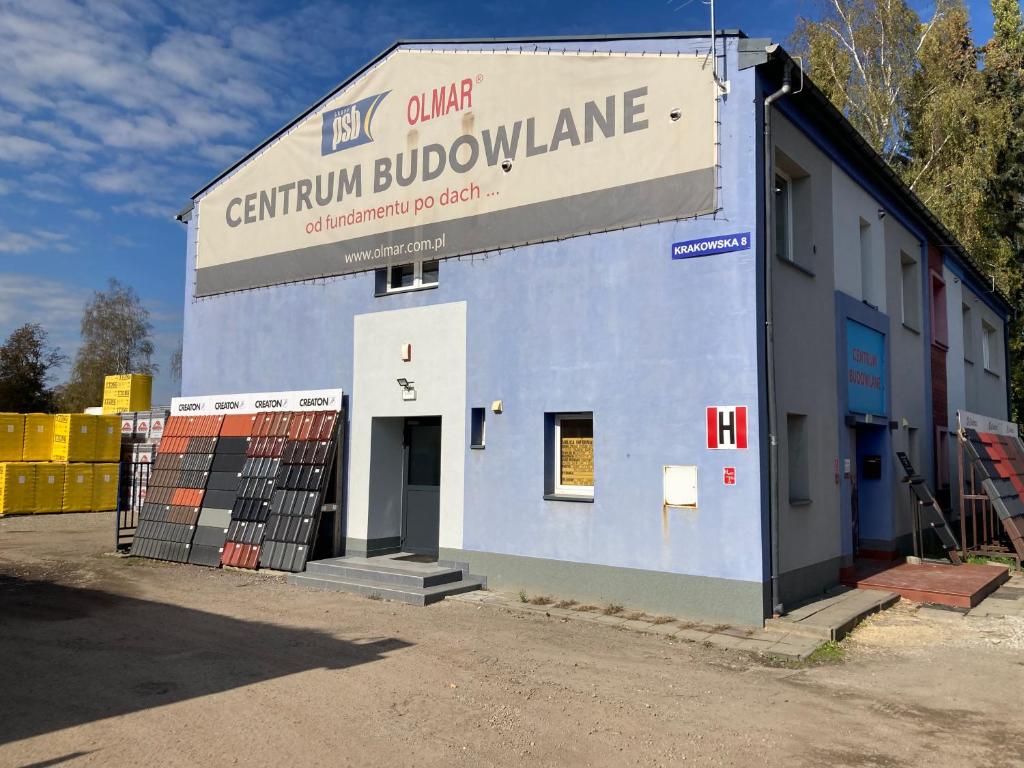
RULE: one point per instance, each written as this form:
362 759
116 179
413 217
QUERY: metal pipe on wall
769 254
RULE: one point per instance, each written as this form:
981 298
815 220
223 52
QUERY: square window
430 269
571 460
402 276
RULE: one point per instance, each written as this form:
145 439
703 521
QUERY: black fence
130 498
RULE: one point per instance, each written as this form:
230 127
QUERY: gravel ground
108 661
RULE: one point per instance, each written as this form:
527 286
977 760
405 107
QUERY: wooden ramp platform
958 586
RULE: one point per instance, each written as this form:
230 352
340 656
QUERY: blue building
626 319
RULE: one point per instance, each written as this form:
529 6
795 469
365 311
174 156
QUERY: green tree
863 55
1004 80
116 339
26 365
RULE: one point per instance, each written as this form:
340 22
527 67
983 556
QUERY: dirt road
108 661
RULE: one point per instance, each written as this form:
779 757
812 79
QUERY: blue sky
112 112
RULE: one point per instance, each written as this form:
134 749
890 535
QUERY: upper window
794 220
968 331
783 217
573 460
911 285
989 347
407 277
869 277
940 324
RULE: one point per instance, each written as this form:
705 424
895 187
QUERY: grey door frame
406 487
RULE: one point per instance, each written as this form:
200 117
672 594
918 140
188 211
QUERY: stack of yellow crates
38 444
78 483
49 487
127 392
62 463
17 486
12 435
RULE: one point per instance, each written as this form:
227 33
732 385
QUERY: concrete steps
387 577
835 615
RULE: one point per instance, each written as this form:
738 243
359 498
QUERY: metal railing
131 495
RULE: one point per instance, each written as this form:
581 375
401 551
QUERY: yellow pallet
127 392
77 488
17 487
74 437
49 496
108 438
104 487
12 436
38 443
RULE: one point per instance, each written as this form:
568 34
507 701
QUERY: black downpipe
769 345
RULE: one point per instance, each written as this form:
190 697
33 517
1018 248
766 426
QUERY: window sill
799 502
568 497
400 291
477 447
968 361
797 266
912 329
990 372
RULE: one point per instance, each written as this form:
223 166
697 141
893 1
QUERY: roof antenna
723 86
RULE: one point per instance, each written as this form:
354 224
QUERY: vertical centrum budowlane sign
433 154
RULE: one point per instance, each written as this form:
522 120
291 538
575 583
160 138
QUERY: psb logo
349 126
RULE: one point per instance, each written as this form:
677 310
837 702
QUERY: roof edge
947 242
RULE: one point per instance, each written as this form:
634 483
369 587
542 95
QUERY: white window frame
911 315
788 256
988 336
417 277
583 491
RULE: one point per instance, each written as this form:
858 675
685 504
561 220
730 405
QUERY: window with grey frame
798 455
794 231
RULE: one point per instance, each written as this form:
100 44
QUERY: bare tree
116 339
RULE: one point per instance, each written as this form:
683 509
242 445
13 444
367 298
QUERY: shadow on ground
70 656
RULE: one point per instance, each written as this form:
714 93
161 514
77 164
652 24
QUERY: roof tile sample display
224 467
176 489
255 487
301 481
999 461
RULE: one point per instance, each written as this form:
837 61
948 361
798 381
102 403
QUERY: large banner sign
432 154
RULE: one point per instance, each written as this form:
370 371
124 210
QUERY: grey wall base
695 597
372 547
810 580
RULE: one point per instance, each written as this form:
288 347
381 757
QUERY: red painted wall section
939 344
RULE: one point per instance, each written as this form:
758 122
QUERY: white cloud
21 149
36 240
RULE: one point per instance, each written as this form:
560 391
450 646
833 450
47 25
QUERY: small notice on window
577 460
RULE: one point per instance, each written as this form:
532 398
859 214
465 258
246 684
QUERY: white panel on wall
680 486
